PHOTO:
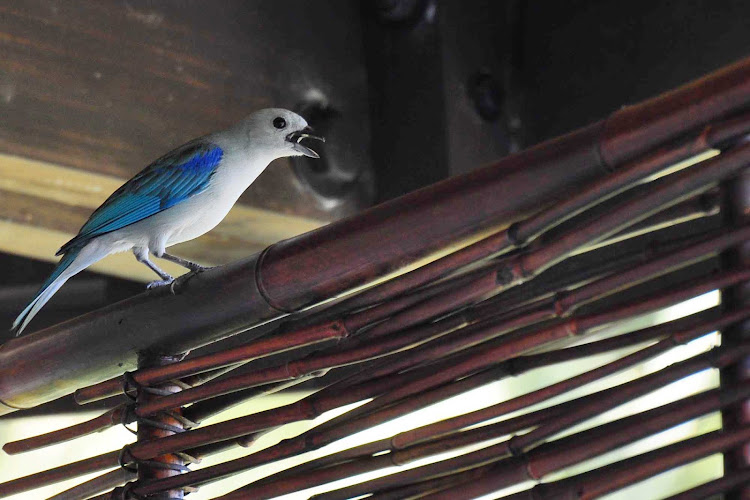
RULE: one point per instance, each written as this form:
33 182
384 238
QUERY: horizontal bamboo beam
440 303
339 329
601 265
624 135
697 148
297 273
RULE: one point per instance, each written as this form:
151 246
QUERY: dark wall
583 59
455 85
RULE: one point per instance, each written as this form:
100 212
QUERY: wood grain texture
107 87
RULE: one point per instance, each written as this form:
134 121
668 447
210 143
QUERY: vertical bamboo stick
158 426
738 213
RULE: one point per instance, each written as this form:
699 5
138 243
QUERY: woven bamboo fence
514 267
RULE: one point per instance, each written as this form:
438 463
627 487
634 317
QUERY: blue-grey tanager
180 196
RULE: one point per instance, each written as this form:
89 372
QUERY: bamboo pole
105 482
512 464
312 440
737 205
304 366
301 272
730 481
529 229
308 410
565 304
593 484
626 134
409 350
403 449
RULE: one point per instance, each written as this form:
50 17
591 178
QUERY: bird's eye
279 122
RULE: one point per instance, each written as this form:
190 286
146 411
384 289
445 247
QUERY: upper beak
305 133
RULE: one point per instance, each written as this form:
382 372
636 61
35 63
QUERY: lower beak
306 133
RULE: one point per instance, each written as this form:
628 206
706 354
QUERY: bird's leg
166 279
196 268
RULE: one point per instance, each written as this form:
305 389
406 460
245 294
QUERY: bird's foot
178 283
158 283
197 268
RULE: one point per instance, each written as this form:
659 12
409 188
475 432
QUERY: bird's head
279 132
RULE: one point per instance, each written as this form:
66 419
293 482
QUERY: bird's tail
74 261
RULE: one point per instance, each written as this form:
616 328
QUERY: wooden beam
43 205
108 87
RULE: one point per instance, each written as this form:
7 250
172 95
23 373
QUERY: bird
177 198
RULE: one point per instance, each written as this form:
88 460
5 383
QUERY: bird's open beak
306 133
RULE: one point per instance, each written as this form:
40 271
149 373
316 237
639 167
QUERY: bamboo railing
545 248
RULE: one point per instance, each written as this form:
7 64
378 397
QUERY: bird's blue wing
173 178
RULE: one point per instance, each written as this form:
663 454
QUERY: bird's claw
181 280
158 283
197 268
175 283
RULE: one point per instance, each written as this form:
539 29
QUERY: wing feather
171 179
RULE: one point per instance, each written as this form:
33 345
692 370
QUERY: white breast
202 212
